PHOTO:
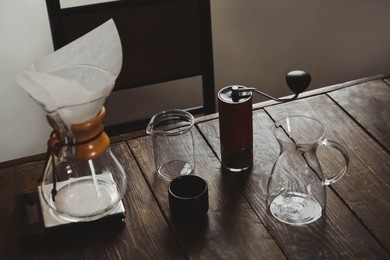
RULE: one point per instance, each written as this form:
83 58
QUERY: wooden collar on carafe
90 139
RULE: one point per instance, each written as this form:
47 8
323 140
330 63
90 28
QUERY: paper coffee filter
75 80
75 101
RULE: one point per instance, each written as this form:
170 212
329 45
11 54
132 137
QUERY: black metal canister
236 128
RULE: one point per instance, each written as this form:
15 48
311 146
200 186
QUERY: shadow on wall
256 43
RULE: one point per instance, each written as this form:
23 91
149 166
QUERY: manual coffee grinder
235 120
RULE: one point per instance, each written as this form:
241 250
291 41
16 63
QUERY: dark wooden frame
200 54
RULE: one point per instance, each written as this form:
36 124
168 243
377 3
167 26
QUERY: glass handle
341 149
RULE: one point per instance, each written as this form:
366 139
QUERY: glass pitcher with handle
297 187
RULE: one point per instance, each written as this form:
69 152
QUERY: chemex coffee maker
235 120
83 183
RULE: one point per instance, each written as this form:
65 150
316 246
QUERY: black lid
230 94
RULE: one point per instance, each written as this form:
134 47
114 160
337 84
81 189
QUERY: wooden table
355 226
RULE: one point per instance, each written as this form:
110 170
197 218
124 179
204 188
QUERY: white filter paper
75 80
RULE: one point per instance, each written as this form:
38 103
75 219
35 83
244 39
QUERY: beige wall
256 42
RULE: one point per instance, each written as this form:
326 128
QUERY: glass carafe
83 180
297 187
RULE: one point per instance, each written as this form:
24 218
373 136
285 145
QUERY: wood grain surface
339 221
238 224
368 104
231 228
